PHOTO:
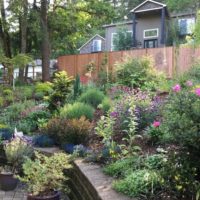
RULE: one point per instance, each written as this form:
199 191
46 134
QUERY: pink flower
176 88
189 83
156 124
197 92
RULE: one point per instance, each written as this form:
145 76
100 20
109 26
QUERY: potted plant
16 151
44 176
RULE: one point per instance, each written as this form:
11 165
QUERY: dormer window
97 45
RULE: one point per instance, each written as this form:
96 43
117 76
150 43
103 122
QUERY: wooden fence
170 60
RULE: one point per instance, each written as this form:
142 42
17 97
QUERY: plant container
54 196
7 181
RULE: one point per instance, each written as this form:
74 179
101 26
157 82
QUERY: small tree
197 29
18 61
123 39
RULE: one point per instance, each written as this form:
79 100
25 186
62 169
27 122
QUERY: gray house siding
87 48
145 23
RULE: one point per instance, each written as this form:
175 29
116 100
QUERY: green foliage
61 88
138 73
1 102
123 39
155 161
139 182
63 131
154 134
77 110
24 93
104 129
45 174
16 152
181 116
197 29
43 89
124 166
12 113
105 105
92 96
77 87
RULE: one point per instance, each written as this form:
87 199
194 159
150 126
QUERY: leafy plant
16 152
76 111
43 89
124 166
45 174
64 131
138 73
92 96
61 88
139 182
77 87
105 105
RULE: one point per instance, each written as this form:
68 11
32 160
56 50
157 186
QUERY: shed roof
97 35
152 5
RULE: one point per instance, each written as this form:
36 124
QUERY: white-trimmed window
151 33
113 37
96 45
186 26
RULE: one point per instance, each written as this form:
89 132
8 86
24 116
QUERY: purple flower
197 92
114 114
176 88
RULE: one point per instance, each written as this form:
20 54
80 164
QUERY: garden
140 126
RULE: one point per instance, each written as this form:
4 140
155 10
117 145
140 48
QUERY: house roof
118 24
97 35
148 1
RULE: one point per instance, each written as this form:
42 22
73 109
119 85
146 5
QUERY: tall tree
45 41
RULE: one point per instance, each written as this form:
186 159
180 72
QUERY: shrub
138 73
76 111
8 92
1 102
45 174
13 112
24 92
105 105
124 166
181 118
139 182
92 97
61 89
64 131
43 89
43 141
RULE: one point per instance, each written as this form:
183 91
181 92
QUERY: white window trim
93 42
112 41
155 36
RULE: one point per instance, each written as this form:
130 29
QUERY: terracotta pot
8 182
55 196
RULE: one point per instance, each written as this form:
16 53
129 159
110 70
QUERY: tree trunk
23 32
4 34
45 41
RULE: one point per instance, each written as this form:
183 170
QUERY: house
93 45
150 26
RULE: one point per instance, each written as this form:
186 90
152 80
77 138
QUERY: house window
113 38
97 45
151 33
128 36
186 26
